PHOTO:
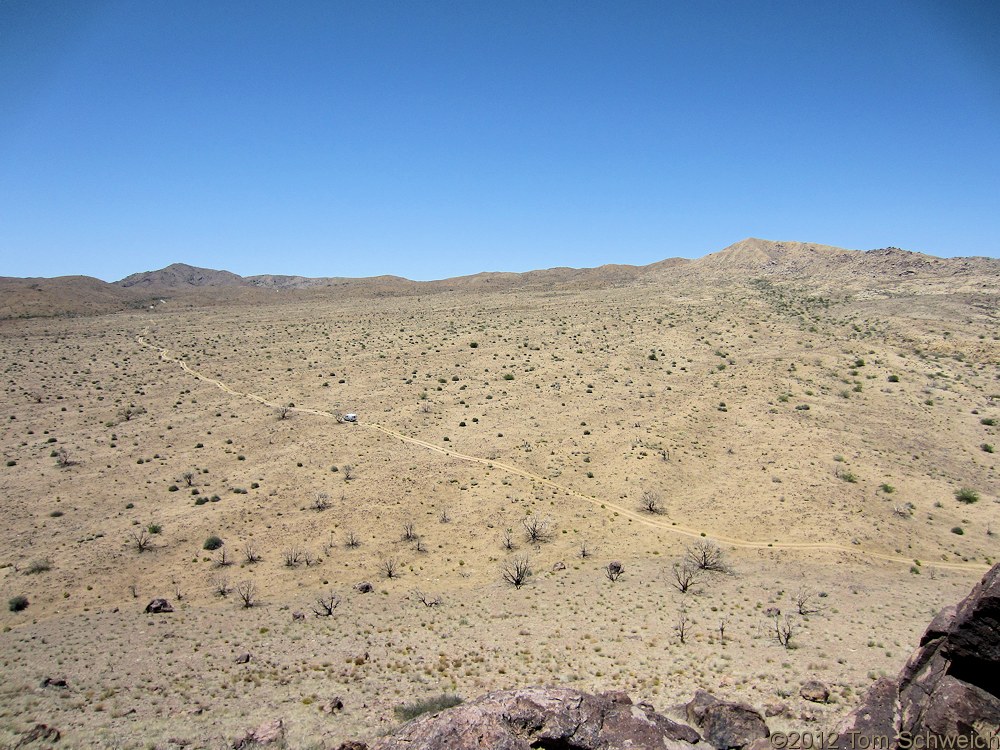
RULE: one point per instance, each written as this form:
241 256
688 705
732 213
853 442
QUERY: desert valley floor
822 437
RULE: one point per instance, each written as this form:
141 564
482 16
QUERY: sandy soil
818 440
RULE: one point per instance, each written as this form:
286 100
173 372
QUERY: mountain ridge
824 266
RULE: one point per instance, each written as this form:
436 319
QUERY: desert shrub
987 447
40 565
409 711
213 542
849 477
957 530
18 603
894 378
508 376
988 421
967 496
154 528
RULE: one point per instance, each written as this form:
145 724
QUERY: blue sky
433 139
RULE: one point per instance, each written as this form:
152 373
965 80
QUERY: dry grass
588 424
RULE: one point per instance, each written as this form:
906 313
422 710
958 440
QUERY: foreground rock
726 725
949 688
542 718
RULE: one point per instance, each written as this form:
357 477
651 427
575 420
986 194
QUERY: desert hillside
823 419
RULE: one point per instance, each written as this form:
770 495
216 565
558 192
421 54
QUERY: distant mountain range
819 265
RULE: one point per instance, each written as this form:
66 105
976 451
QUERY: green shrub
849 477
508 376
894 378
987 447
409 711
957 530
887 488
213 542
18 603
154 528
967 496
988 421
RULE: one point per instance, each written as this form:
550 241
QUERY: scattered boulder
158 606
243 658
335 704
536 717
265 734
57 682
364 588
815 691
39 733
298 615
726 725
949 688
560 565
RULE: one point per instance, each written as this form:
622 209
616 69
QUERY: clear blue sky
432 139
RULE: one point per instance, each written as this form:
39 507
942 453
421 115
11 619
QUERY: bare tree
784 628
292 556
685 576
250 553
351 540
306 557
706 555
535 529
516 571
63 459
425 599
389 566
141 540
445 516
722 631
507 539
220 584
223 560
614 570
409 531
188 477
651 501
247 592
322 501
805 602
326 605
585 551
283 412
682 625
420 546
348 472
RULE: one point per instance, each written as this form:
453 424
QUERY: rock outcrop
537 717
726 725
949 688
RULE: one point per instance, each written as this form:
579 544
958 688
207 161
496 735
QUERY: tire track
661 525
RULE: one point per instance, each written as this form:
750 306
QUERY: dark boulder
541 717
949 688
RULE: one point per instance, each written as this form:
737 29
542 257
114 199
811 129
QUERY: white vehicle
350 417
